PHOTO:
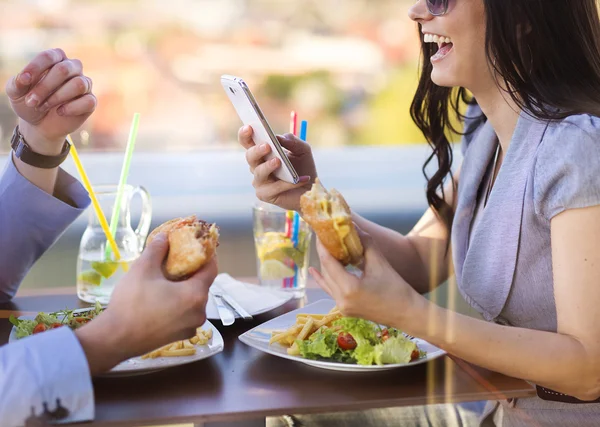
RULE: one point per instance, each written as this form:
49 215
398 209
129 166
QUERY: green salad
358 341
46 321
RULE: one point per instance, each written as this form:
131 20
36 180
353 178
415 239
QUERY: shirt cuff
57 376
68 192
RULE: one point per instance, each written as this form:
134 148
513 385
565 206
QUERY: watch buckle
21 144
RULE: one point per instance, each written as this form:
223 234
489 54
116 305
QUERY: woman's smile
445 45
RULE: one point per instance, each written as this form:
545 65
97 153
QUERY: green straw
114 219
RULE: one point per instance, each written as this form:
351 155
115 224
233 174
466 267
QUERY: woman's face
462 61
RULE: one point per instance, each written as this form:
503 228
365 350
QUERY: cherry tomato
346 341
56 325
40 327
414 355
383 334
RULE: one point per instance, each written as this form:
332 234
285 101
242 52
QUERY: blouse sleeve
567 169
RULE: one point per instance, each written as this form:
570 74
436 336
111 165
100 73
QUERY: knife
217 290
227 317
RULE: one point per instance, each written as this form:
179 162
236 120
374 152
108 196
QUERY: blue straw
303 130
295 233
295 229
296 221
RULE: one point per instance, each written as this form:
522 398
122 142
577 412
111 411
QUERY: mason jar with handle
98 270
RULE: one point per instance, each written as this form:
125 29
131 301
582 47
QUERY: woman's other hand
269 189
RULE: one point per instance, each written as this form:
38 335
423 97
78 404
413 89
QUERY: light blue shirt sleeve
43 372
31 220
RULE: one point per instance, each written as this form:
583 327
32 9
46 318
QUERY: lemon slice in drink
285 253
90 277
271 242
106 269
274 270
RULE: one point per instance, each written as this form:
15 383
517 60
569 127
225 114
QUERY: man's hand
147 311
52 98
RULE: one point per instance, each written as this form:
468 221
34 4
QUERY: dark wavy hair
547 52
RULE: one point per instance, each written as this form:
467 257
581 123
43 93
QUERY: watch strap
24 152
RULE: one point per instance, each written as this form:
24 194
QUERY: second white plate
259 337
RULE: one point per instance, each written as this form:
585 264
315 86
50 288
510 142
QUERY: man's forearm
102 344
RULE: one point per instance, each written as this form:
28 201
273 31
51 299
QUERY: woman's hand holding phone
269 189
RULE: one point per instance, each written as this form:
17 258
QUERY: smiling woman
517 225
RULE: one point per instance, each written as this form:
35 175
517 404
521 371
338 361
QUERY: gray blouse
503 262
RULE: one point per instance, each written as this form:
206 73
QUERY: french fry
328 319
293 350
290 340
204 336
306 324
156 353
181 348
314 316
292 331
179 352
306 329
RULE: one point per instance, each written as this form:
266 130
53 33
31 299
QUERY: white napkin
254 299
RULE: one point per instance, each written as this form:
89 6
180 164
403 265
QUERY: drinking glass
282 248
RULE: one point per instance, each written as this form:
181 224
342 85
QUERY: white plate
260 335
139 366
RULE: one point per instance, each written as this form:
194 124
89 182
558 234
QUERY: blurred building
328 59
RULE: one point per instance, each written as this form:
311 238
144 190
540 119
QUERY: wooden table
244 385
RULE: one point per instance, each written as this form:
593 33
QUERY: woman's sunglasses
437 7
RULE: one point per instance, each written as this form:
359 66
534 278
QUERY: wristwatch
24 152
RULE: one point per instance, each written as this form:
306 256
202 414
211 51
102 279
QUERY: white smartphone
247 108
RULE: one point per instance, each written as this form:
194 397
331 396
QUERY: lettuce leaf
321 344
23 327
396 349
364 333
369 349
47 319
362 330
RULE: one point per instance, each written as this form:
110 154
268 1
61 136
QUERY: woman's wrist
39 143
431 323
417 312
